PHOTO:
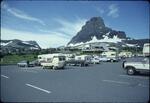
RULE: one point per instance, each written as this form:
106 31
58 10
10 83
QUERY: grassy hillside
13 59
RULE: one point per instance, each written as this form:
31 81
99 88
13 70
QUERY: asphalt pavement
104 82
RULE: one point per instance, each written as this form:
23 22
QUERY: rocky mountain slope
96 27
95 31
18 45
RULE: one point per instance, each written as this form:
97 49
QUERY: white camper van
125 54
86 58
110 55
54 61
146 49
81 60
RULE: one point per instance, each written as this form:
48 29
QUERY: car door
144 65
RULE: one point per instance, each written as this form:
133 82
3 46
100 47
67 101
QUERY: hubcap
130 71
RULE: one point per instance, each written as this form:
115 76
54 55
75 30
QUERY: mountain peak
95 27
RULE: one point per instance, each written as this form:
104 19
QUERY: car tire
44 67
54 67
111 60
130 71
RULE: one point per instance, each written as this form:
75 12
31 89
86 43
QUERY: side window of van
49 59
61 58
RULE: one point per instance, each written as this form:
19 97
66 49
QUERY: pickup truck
137 65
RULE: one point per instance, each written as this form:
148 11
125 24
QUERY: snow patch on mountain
4 44
24 42
131 45
115 39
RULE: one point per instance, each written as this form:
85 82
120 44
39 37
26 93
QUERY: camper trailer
69 57
87 58
110 55
81 60
53 61
146 49
125 54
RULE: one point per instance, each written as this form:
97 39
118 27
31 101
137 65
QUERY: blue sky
54 23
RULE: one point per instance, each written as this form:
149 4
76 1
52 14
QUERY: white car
22 63
95 60
137 65
103 58
25 63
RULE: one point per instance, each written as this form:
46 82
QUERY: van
146 49
54 61
110 55
86 58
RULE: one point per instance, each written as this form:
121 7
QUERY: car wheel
130 71
43 67
111 60
54 67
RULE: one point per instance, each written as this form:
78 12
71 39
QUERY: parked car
136 65
95 60
25 63
103 58
22 63
81 63
35 63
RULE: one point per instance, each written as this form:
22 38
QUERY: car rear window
61 58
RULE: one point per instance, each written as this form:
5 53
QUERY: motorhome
54 61
110 55
69 57
81 60
87 58
146 49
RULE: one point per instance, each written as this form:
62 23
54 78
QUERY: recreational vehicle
54 61
146 49
82 60
110 55
125 54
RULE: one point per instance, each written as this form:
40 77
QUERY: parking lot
104 82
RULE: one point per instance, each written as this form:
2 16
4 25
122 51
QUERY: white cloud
20 14
44 40
101 11
47 38
70 28
113 11
54 33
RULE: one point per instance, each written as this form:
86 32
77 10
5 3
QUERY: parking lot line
38 88
30 71
5 76
119 82
141 85
134 77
